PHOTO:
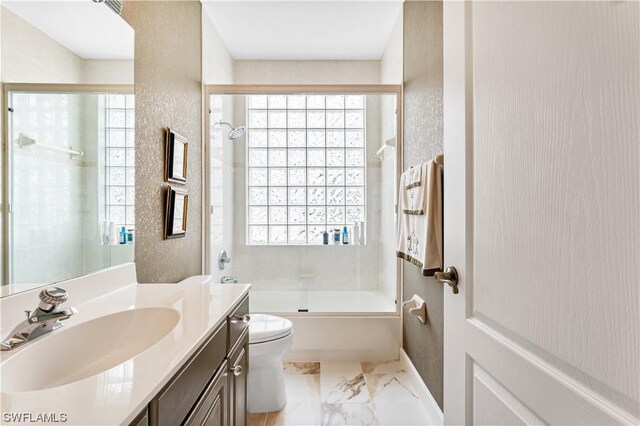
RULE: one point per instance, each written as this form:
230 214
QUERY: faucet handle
52 297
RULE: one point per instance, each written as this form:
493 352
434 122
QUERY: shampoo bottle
345 235
123 235
336 236
113 234
355 234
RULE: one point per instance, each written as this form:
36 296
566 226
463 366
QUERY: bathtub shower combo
308 165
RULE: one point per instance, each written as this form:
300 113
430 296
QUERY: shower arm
220 123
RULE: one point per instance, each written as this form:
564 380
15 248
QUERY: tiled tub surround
117 395
346 393
309 267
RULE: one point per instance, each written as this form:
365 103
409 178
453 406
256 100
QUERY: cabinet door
212 409
239 368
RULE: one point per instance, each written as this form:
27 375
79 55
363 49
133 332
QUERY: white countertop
117 395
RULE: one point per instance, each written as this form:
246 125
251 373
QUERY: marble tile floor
346 393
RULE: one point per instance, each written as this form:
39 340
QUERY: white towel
420 219
414 177
412 197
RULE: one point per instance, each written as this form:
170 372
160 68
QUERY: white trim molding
429 403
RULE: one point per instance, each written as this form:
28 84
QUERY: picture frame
177 203
175 153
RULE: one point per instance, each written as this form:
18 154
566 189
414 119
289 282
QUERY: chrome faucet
46 318
228 280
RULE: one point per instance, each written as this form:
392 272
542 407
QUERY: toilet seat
265 328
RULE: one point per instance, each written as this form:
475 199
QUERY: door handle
449 276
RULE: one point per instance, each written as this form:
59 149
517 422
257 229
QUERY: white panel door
542 212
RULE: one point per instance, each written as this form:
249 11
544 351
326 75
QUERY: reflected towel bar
24 141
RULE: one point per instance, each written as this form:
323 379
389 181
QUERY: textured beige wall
306 72
391 61
168 88
423 139
31 56
217 63
107 71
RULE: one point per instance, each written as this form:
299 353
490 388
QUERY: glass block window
305 166
120 159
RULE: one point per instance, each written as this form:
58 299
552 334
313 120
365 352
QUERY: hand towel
413 195
414 177
420 218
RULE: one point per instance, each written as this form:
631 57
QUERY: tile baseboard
429 403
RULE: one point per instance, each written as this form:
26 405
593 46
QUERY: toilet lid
263 328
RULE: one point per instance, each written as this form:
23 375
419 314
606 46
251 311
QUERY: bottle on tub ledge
355 234
345 235
123 235
113 234
336 236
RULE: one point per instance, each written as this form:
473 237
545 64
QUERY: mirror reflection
68 140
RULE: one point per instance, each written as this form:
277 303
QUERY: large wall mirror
68 141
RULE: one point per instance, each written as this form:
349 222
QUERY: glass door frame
265 89
6 149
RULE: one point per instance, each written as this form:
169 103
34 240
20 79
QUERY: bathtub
335 325
329 301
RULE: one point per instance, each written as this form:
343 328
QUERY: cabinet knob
245 318
237 370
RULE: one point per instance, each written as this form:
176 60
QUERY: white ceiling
304 30
90 30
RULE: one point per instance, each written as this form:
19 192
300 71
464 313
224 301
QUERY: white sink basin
75 353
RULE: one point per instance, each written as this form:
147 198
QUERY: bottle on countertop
325 238
336 236
345 235
123 235
129 236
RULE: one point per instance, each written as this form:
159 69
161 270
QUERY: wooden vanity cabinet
141 420
239 368
211 410
211 388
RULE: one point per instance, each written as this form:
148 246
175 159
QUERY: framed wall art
175 222
175 165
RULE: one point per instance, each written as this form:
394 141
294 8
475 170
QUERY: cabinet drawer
141 419
238 322
212 408
176 400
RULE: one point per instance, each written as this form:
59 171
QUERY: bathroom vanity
211 388
133 354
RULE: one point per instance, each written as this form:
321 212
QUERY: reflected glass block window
306 166
119 119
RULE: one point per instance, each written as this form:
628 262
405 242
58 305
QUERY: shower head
235 133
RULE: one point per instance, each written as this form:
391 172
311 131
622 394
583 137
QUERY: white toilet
270 337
